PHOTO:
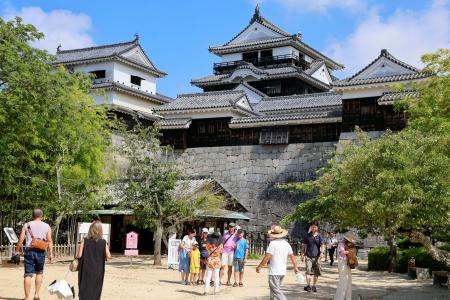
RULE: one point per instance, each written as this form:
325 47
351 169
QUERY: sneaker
314 289
307 288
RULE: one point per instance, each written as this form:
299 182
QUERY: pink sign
132 240
134 252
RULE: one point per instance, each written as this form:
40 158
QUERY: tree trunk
436 253
158 240
392 253
55 228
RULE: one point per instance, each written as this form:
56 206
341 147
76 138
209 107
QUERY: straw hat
277 232
350 236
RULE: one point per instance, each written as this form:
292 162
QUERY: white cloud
321 6
405 34
59 26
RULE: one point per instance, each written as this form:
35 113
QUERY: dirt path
144 281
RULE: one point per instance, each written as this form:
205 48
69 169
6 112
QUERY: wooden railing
59 251
263 62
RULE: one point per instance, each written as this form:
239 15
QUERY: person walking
203 255
229 244
344 288
311 252
38 237
213 262
92 252
331 243
184 249
276 255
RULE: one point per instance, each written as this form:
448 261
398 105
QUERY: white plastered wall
123 72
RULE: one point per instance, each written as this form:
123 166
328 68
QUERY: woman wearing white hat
346 261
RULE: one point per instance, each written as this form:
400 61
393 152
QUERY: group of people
201 260
208 258
92 253
312 251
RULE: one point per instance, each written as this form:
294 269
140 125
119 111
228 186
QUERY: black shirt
313 244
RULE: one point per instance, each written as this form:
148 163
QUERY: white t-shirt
188 242
39 229
280 250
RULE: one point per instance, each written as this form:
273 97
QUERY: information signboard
12 237
83 229
172 257
132 244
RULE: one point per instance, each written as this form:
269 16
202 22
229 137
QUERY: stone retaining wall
250 172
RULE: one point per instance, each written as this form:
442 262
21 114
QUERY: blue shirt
312 245
241 246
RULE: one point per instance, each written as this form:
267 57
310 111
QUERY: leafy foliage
53 136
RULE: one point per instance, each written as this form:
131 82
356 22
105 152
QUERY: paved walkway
144 281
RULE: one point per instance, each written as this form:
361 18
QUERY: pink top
229 246
341 251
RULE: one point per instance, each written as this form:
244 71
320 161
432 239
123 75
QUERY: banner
172 257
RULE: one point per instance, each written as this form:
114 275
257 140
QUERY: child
240 257
195 263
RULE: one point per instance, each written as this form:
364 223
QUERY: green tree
53 136
148 186
399 183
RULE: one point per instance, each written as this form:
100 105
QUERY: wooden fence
59 251
258 243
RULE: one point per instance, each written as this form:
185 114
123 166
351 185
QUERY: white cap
205 230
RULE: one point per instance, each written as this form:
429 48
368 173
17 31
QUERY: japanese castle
270 87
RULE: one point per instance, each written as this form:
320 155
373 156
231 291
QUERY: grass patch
254 256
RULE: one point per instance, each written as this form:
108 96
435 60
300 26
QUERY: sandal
241 284
235 284
228 283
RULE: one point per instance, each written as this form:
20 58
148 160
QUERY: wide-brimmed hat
231 225
277 232
205 230
350 236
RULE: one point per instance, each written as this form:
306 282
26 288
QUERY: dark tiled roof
321 116
270 73
136 113
273 105
105 52
178 123
389 97
382 79
220 99
248 86
386 54
158 98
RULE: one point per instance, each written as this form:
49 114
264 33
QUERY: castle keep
269 113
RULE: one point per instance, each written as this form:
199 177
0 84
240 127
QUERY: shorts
313 266
34 261
238 264
227 259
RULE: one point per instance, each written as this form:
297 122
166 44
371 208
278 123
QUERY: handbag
352 260
37 244
74 265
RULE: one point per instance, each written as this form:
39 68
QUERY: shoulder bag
37 244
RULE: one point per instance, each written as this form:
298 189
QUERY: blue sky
176 34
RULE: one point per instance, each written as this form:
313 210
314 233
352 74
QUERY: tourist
215 250
240 258
194 257
344 288
38 237
276 255
229 244
203 255
92 252
184 249
331 243
311 251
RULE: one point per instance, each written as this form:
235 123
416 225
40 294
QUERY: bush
378 259
445 247
422 257
406 244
